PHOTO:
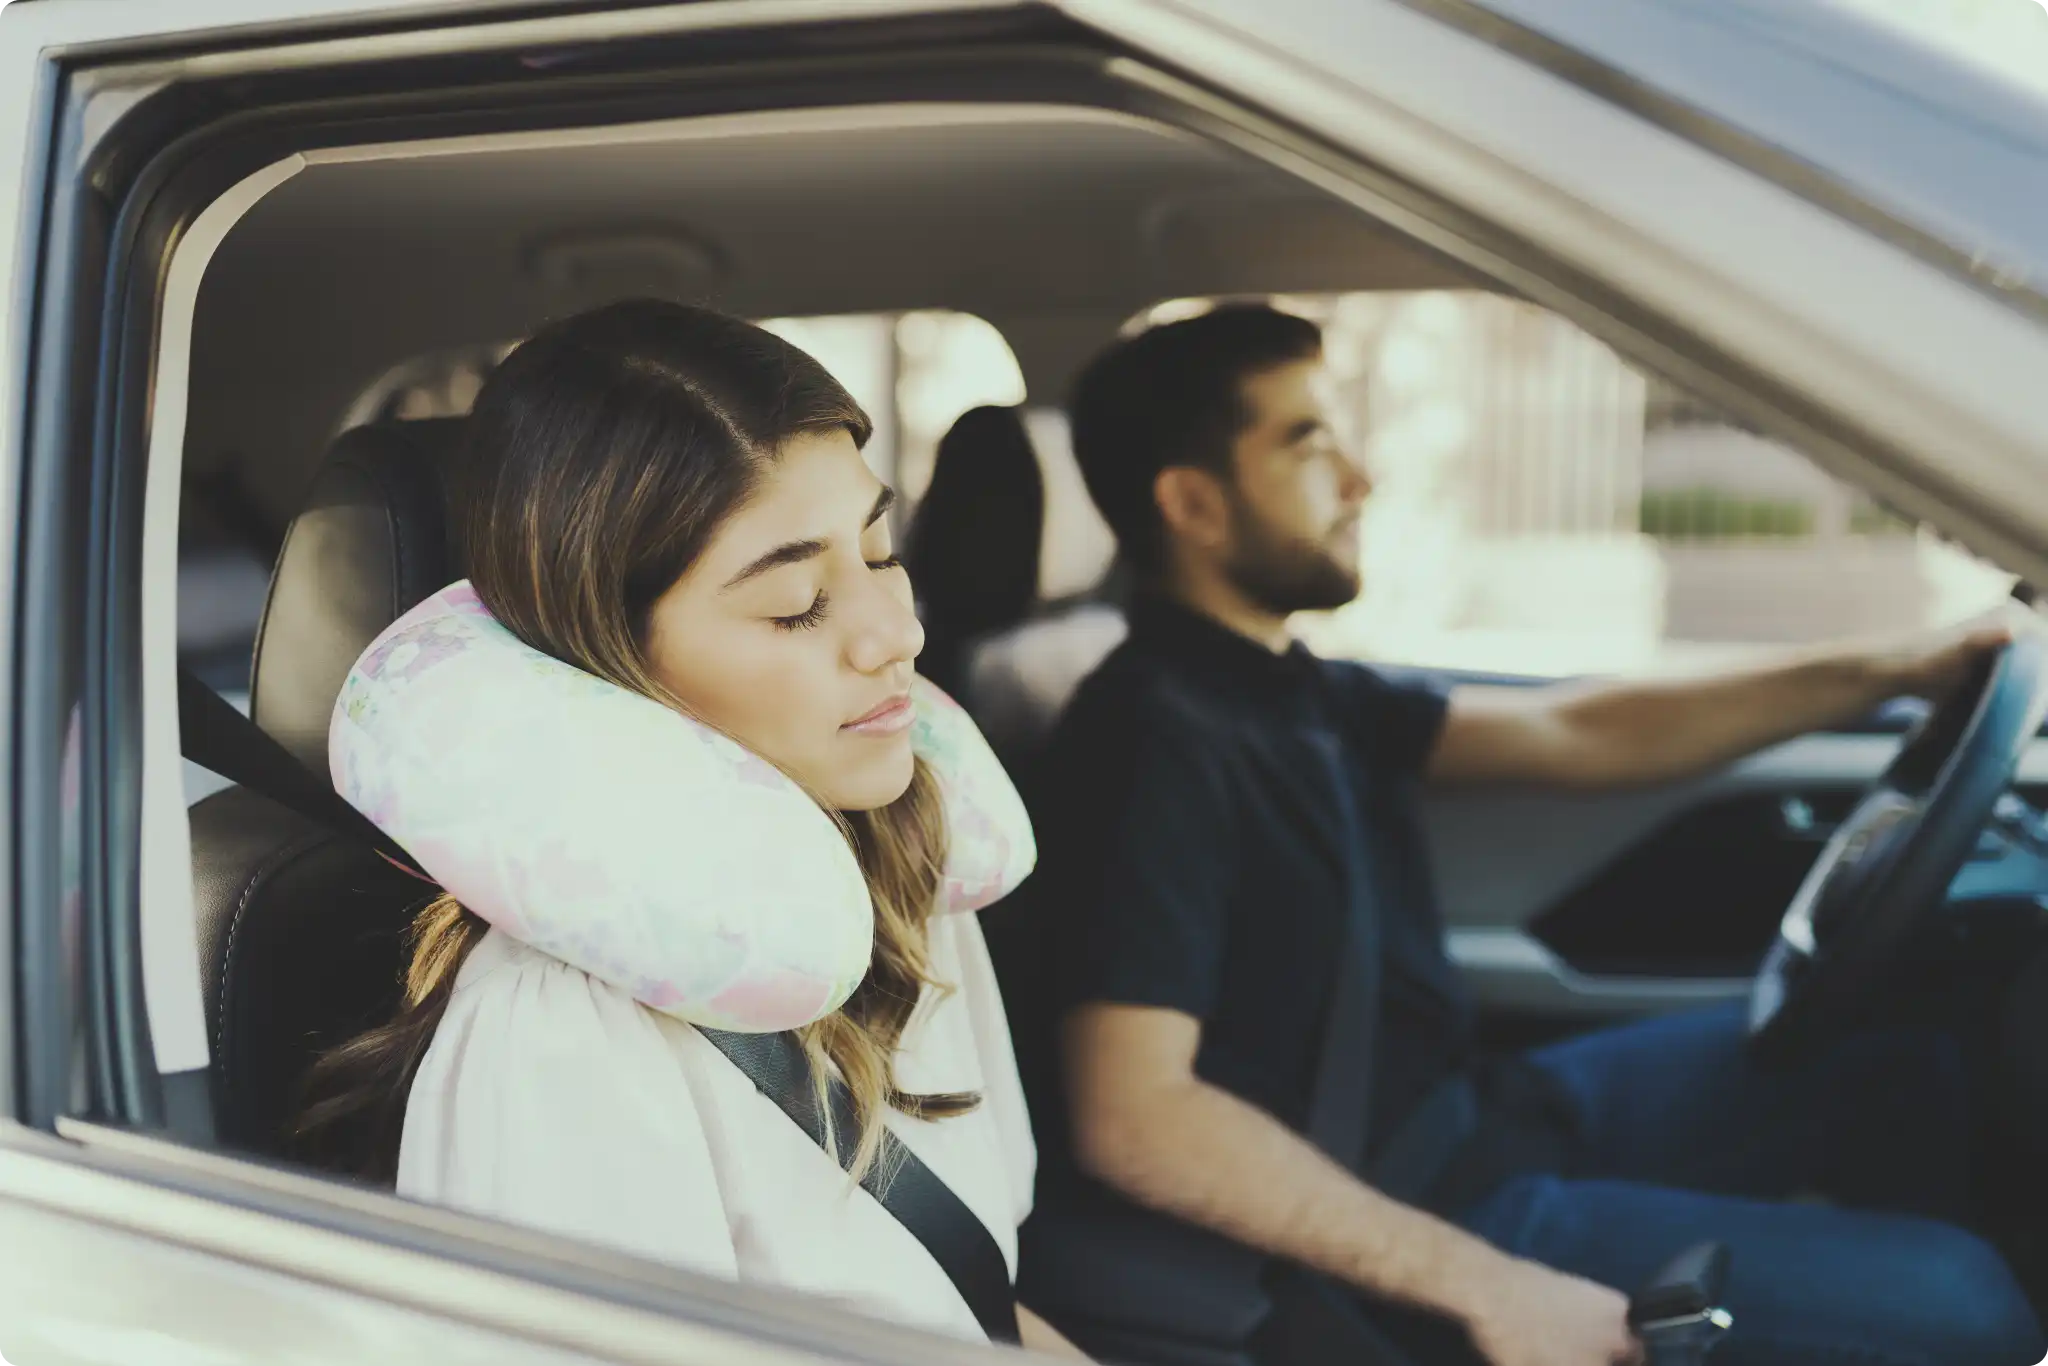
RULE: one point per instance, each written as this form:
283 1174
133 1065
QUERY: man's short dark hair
1173 395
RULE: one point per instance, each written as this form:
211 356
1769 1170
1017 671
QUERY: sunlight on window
860 351
915 374
951 362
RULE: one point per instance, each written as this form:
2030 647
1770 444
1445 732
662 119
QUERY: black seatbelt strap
1423 1144
904 1186
1340 1106
213 734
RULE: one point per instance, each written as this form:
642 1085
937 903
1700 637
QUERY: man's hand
1934 664
1530 1315
1666 730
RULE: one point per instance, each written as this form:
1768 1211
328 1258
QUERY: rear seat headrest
973 551
370 543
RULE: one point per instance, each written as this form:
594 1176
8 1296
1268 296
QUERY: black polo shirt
1192 857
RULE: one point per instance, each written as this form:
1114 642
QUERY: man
1196 879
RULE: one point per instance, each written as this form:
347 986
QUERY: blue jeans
1683 1140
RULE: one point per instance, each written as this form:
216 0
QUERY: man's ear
1193 505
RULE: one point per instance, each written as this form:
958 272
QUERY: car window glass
915 373
1543 508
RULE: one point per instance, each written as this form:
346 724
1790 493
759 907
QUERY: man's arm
1146 1125
1036 1334
1625 734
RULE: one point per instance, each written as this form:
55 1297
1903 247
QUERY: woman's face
794 633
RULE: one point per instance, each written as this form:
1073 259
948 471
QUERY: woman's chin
876 779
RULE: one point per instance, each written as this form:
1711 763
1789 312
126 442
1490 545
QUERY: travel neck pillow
629 840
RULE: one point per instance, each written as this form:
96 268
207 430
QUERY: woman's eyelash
806 619
815 613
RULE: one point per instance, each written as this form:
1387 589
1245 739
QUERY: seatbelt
1419 1150
213 734
904 1186
1317 1321
1340 1105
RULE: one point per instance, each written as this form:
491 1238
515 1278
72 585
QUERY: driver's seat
301 929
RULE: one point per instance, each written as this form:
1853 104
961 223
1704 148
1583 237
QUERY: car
257 252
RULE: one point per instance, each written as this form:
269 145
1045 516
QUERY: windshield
1932 112
2008 38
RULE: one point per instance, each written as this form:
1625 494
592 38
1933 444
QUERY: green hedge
1706 514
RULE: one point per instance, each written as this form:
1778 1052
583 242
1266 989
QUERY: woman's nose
888 631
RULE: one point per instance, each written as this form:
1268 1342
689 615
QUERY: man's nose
1357 485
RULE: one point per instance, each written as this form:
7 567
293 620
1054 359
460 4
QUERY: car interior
311 518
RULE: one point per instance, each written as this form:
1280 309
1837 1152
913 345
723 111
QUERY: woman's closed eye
815 613
806 619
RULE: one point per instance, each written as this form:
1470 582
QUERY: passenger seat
302 930
1020 680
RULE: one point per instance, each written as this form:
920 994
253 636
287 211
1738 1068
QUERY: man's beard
1282 574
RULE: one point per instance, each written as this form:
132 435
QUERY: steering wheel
1885 872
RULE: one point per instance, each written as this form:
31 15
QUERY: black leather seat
301 930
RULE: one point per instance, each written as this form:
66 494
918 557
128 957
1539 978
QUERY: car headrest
973 551
370 543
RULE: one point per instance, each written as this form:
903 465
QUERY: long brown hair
600 458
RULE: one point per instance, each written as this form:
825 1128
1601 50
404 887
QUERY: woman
675 502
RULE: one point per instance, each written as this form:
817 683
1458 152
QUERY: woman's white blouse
552 1100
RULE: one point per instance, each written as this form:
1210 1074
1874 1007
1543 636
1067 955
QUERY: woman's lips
891 718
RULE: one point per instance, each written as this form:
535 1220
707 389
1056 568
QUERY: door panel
1620 903
75 1292
122 1249
95 1268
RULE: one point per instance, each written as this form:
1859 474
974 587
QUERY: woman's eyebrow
796 552
884 500
789 552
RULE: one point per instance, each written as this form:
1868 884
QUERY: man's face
1297 496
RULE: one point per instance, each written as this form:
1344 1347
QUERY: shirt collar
1213 651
